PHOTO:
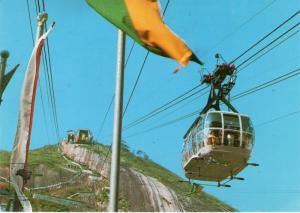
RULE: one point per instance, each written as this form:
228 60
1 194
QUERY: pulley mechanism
219 89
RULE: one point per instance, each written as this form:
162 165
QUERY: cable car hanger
218 89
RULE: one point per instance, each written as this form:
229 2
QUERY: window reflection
231 138
214 120
200 138
246 124
231 122
214 137
247 141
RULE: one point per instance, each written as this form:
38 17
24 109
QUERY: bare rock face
142 193
86 157
145 193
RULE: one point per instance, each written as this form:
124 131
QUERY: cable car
218 144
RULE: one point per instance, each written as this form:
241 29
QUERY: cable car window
247 141
205 137
231 122
246 124
231 138
214 137
199 136
194 140
185 151
190 148
202 119
184 146
213 120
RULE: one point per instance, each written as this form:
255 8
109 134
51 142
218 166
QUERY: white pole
117 131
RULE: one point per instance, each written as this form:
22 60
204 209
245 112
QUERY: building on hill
83 136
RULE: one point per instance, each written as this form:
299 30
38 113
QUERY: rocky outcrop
143 193
86 157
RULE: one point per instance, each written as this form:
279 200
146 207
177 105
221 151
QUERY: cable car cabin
217 146
84 136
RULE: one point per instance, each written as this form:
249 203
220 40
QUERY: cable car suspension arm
219 90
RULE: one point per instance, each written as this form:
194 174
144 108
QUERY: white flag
18 161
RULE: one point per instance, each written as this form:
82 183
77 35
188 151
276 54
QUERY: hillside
73 177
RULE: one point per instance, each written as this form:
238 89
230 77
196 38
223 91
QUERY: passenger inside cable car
214 137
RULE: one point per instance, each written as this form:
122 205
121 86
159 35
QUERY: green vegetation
4 158
47 155
41 205
103 196
138 161
123 205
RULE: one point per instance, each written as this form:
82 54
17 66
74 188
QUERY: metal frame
218 89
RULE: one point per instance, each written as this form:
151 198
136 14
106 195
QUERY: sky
83 49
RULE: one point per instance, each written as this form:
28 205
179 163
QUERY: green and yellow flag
142 21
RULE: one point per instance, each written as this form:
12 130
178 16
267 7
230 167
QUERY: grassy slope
46 155
198 202
4 158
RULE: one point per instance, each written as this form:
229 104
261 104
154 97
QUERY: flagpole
42 18
117 131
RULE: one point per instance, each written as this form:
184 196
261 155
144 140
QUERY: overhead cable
237 96
264 37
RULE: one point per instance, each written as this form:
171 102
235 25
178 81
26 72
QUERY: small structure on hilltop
83 136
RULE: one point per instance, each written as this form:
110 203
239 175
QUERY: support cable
46 74
107 111
277 118
164 109
239 95
269 50
266 46
242 25
263 38
51 78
